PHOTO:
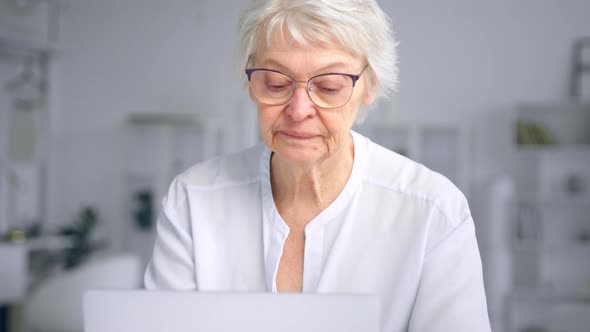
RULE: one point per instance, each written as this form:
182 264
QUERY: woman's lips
297 135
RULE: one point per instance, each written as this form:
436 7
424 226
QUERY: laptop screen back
169 311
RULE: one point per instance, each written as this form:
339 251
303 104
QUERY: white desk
13 272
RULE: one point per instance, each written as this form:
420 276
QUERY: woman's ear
369 98
371 88
370 94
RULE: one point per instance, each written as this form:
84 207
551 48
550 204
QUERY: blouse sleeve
451 294
172 265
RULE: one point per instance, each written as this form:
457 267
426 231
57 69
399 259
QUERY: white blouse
397 230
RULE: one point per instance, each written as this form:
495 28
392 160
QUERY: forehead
286 54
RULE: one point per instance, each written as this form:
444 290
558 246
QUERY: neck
313 185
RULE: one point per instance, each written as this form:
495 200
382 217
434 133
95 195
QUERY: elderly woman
318 207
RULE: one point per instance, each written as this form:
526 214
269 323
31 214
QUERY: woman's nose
300 106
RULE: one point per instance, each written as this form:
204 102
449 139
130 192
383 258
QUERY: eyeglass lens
326 91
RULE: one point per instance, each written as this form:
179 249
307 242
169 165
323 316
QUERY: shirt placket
313 255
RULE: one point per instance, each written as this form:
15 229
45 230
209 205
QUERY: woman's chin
300 154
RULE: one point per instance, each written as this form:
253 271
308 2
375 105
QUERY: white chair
56 306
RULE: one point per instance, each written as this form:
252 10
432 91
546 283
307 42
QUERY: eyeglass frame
353 77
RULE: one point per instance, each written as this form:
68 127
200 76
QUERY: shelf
553 148
545 294
161 118
563 106
47 242
565 121
554 199
551 269
572 251
555 171
543 247
18 49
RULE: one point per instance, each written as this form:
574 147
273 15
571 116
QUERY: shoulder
226 170
218 173
415 183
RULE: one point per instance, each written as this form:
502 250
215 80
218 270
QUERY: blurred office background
103 102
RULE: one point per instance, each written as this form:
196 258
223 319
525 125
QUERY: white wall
474 56
120 56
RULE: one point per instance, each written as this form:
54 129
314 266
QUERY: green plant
531 133
79 234
143 214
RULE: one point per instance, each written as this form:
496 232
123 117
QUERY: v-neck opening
276 229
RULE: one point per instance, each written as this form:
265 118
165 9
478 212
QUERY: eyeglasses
331 90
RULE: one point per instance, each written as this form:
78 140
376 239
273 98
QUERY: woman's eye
329 89
277 85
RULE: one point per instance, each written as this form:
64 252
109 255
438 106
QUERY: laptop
174 311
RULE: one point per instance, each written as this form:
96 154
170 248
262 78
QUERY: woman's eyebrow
273 63
329 67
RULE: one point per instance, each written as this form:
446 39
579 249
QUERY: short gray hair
360 26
